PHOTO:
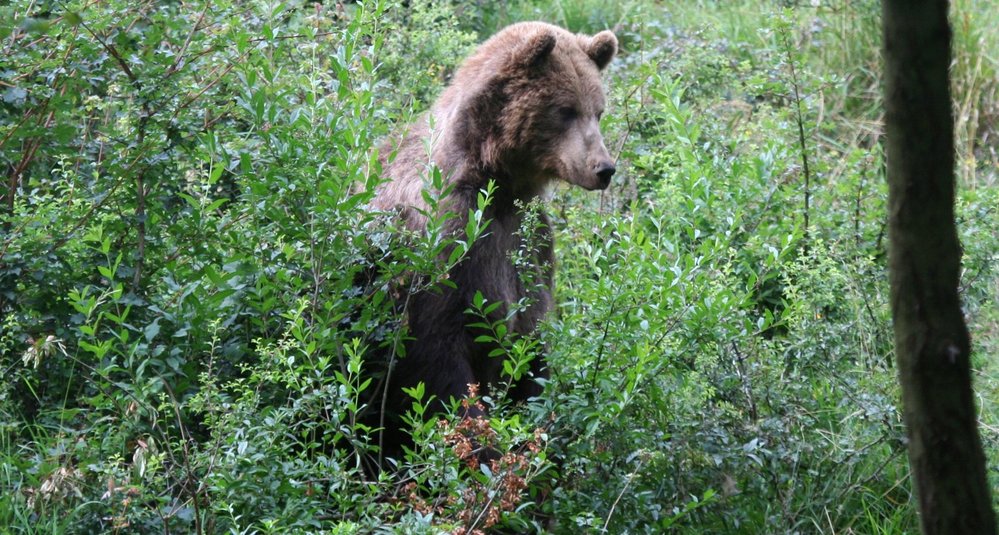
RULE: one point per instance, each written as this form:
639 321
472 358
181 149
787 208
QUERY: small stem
801 129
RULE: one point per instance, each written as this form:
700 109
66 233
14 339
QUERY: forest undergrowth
192 290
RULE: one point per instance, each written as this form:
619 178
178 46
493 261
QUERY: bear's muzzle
604 173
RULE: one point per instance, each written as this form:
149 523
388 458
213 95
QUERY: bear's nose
605 172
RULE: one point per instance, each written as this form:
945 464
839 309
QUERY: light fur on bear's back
522 111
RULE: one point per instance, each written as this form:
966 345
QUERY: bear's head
529 103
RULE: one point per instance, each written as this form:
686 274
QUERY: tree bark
932 344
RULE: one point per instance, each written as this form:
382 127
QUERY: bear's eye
568 113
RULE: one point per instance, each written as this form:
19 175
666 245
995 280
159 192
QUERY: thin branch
801 129
627 483
175 66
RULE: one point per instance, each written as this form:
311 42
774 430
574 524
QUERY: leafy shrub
196 305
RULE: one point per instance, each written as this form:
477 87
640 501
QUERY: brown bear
522 111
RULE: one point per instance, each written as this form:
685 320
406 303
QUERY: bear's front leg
442 368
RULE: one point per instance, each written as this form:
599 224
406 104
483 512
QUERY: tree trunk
932 345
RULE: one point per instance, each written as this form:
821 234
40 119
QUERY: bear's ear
535 49
602 48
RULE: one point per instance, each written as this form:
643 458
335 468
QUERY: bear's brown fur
523 110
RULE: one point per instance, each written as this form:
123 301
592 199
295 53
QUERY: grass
975 82
711 374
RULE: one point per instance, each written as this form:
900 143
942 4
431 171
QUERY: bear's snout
604 172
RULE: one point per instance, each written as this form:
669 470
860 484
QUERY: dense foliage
192 291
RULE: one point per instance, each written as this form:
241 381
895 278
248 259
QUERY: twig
744 379
620 495
801 130
603 339
175 66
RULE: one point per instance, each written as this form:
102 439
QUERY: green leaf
152 330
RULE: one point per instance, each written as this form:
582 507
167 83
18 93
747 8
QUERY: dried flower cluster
479 503
474 440
61 484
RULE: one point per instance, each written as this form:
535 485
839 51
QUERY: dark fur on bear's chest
507 268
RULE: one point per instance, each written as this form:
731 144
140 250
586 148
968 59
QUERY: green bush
197 306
